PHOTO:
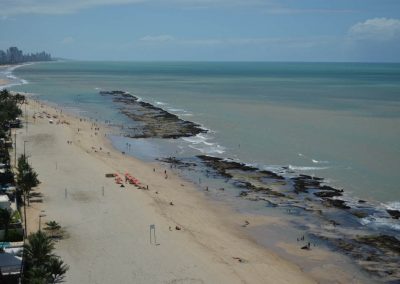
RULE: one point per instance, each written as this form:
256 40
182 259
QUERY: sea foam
380 222
305 168
395 205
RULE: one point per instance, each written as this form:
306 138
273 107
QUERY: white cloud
381 29
68 40
158 38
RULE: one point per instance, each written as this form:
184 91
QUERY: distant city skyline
205 30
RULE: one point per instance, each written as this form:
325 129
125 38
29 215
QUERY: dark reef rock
303 183
176 162
324 194
394 213
243 176
272 175
338 203
113 93
382 241
154 122
377 254
244 184
359 213
222 166
326 187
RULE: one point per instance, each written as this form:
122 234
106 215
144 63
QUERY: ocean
340 121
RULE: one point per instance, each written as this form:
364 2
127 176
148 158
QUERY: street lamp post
25 220
24 147
15 148
26 119
40 220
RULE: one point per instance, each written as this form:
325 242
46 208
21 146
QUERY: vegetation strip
39 264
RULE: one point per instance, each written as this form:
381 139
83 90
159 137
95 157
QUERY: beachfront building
11 244
10 263
5 202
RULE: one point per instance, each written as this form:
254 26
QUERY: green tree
4 95
57 269
41 265
37 275
9 109
52 226
27 178
28 181
22 164
38 250
20 99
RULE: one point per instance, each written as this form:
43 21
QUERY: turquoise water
340 121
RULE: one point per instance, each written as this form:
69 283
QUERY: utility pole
26 119
15 148
40 221
25 220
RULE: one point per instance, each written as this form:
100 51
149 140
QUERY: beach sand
107 236
3 82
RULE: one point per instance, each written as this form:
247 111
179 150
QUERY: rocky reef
377 254
336 218
151 121
339 221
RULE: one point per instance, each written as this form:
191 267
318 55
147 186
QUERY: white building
5 202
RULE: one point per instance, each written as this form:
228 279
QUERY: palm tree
57 269
22 163
38 249
4 94
5 220
9 109
41 265
52 226
27 178
37 275
20 99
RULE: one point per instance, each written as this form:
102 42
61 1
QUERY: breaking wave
300 168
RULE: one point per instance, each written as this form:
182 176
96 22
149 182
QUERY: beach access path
107 227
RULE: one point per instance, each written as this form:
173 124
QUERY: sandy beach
107 227
4 82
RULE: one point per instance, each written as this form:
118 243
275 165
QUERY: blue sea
340 121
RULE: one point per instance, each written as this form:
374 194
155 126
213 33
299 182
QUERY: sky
205 30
